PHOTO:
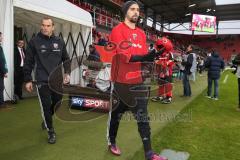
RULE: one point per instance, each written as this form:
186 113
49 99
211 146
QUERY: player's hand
5 75
66 79
29 86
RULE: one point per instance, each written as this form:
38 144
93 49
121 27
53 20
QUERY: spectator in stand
214 64
102 41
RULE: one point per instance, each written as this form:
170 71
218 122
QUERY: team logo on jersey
136 45
43 50
43 46
55 45
134 36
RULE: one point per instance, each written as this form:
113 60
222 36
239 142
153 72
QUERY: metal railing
104 20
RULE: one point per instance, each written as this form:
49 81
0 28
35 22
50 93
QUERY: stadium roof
179 11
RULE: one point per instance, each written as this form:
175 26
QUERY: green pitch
212 133
21 137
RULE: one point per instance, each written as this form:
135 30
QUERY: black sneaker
51 137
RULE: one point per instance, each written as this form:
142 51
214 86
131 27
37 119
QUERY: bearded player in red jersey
164 69
126 75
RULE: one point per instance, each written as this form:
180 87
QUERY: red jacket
128 42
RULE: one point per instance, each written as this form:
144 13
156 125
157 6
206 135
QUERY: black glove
150 57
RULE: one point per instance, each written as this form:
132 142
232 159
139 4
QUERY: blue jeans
186 85
180 75
210 81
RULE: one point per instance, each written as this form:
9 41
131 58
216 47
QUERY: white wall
6 27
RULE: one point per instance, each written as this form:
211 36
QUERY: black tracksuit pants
1 90
139 111
18 81
49 102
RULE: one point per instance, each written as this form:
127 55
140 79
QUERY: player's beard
134 19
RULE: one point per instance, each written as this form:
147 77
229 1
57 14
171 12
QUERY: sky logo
77 101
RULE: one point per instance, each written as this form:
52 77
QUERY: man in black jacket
19 56
47 52
3 73
214 64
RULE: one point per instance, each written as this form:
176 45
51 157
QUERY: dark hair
127 5
194 47
0 33
91 46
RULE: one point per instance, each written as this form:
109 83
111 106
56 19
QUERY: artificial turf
213 130
21 137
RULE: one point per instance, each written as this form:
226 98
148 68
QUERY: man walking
47 52
127 77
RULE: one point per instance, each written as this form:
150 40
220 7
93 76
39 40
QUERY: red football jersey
128 42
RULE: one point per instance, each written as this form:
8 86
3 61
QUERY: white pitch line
225 79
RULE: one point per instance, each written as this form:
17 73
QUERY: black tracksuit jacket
47 53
